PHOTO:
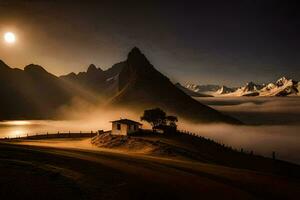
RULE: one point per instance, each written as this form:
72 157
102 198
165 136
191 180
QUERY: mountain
282 87
224 90
191 92
250 89
141 87
204 89
211 90
95 80
34 93
30 93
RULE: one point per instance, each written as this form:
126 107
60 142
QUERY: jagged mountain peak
3 64
135 51
34 68
93 69
251 87
281 81
141 86
224 90
137 58
251 83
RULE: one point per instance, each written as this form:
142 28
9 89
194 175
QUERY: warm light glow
16 123
9 37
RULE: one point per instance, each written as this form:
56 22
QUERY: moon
9 37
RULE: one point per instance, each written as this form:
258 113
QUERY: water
21 128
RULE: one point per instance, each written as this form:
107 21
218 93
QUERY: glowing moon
9 37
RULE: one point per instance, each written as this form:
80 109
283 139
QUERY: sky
204 42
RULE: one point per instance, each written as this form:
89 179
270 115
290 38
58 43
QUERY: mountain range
34 93
282 87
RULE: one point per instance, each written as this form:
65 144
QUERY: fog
273 124
258 110
283 139
80 116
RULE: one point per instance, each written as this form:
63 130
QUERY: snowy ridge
282 87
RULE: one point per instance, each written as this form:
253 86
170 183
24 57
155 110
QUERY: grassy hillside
189 147
57 172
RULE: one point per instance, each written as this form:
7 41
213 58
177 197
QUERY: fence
48 135
223 146
81 134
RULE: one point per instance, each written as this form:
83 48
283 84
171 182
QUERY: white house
124 127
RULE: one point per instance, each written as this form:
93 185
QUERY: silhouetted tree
155 117
172 120
160 121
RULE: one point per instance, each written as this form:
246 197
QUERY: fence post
273 155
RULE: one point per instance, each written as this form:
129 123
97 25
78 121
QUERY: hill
31 93
183 167
141 86
191 147
134 83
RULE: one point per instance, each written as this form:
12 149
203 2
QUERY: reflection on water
16 123
20 128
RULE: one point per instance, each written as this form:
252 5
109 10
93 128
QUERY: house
124 127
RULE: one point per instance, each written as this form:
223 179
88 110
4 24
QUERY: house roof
126 121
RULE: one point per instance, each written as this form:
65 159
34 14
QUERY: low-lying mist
274 123
278 119
258 110
262 140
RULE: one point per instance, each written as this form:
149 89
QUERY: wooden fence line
79 134
242 150
57 134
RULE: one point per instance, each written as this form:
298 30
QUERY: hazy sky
225 42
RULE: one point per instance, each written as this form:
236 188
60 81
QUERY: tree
155 117
172 120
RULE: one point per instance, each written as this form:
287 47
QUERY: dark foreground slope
185 146
29 172
141 86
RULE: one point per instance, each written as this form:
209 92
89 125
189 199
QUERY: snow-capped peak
282 81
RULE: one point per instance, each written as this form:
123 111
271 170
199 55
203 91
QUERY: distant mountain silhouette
96 80
142 86
191 92
134 83
30 93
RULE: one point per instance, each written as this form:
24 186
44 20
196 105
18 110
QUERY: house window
118 126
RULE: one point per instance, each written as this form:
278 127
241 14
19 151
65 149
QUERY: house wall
125 129
115 131
131 129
